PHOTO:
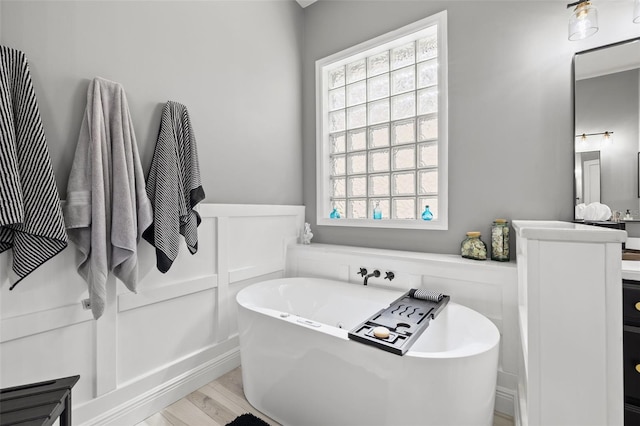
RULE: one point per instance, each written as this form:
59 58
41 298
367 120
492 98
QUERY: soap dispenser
627 215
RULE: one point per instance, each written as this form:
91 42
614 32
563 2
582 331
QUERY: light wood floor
221 401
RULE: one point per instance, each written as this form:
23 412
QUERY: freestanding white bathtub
300 368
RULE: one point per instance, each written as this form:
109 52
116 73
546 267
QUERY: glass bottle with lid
500 240
473 247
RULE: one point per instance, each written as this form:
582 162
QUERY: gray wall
236 65
610 102
510 134
510 108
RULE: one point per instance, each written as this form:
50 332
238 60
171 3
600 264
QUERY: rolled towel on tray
423 294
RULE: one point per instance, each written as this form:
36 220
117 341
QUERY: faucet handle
389 276
363 272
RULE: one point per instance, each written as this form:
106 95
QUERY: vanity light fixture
636 11
606 136
583 22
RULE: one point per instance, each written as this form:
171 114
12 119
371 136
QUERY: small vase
377 213
426 214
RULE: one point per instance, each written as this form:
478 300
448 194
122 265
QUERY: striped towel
30 215
174 187
107 206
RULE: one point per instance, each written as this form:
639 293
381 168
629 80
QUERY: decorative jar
500 240
473 247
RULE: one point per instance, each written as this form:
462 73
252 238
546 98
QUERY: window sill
439 225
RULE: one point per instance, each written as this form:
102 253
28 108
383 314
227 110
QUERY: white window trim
404 34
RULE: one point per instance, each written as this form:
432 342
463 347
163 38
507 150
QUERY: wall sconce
607 136
583 22
636 11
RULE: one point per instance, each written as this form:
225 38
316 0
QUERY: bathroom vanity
570 319
631 328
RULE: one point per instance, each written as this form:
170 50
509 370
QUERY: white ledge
553 230
405 255
248 210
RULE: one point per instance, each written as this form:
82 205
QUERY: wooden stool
37 403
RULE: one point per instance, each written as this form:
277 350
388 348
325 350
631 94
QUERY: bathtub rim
341 333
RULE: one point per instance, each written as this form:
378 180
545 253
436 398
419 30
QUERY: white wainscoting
485 286
151 348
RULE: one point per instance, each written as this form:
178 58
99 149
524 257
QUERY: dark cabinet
631 350
631 415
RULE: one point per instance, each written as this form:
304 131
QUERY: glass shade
583 22
636 11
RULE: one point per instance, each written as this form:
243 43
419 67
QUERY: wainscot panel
150 348
47 355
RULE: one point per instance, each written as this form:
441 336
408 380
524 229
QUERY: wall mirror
587 172
607 127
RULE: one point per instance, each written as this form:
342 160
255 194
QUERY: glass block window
382 130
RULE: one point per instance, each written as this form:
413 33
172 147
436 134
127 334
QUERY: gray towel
174 187
107 207
30 215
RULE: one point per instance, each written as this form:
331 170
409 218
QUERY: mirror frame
573 113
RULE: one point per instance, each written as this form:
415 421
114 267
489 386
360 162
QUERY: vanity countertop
567 231
631 270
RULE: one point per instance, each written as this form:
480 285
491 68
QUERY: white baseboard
156 399
148 403
505 401
520 417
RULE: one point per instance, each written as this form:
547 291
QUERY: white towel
107 207
596 212
30 215
174 187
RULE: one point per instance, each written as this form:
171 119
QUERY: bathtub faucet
375 273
